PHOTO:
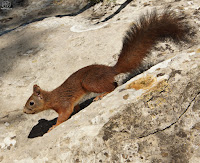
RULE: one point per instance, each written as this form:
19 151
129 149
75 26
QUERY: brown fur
142 36
139 40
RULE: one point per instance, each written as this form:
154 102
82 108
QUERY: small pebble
6 124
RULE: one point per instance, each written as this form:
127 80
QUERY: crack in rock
159 130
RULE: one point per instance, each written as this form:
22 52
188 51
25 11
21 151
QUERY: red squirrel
137 43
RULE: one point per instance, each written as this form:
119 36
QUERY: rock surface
21 12
154 117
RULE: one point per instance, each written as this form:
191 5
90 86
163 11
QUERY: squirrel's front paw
51 128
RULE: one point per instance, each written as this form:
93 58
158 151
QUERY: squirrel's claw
100 96
51 128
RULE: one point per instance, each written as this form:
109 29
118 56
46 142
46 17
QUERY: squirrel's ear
36 89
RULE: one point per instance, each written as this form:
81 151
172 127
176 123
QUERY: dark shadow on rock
24 24
44 125
15 50
86 7
7 6
116 12
41 128
41 15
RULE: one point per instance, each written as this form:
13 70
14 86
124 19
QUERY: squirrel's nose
24 110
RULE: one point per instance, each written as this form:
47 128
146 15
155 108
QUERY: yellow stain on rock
34 61
153 96
142 83
198 51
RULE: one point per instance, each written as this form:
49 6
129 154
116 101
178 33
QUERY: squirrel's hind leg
99 97
99 79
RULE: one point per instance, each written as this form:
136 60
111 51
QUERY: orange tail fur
143 35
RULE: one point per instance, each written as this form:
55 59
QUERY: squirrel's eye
31 103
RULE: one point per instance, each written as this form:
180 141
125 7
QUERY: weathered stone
154 117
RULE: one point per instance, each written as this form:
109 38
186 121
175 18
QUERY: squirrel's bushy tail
144 34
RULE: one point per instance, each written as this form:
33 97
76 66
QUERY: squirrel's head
35 103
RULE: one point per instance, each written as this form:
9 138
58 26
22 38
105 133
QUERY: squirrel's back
142 36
